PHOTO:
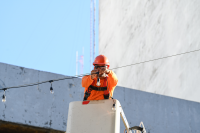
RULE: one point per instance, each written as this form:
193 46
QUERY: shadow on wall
9 127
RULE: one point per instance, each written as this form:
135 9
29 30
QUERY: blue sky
45 34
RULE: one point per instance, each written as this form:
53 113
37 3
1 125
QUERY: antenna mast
94 14
92 31
91 41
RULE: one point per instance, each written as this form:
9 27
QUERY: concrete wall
35 105
160 114
132 31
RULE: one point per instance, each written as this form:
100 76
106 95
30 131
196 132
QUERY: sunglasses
100 67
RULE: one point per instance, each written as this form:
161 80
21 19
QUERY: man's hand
107 71
93 73
103 70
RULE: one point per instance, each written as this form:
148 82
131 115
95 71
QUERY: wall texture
132 31
160 114
35 106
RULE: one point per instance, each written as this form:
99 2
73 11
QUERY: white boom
102 116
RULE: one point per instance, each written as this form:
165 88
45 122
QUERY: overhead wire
35 27
77 76
156 59
37 83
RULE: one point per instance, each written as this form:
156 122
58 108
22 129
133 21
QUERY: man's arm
112 81
86 81
112 78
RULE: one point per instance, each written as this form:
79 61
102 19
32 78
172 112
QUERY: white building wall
132 31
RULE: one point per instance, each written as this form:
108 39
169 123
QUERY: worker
102 81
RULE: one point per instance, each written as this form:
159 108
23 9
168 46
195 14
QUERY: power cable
50 81
156 59
33 84
77 76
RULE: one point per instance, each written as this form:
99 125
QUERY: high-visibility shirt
99 95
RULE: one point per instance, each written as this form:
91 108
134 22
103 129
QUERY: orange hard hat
101 60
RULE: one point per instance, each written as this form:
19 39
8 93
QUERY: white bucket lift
102 116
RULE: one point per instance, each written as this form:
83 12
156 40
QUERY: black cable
32 84
157 59
136 128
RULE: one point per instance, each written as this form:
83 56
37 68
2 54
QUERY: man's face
101 68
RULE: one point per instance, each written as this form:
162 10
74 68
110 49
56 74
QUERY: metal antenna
94 19
91 41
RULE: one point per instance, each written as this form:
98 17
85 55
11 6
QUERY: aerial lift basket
102 116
